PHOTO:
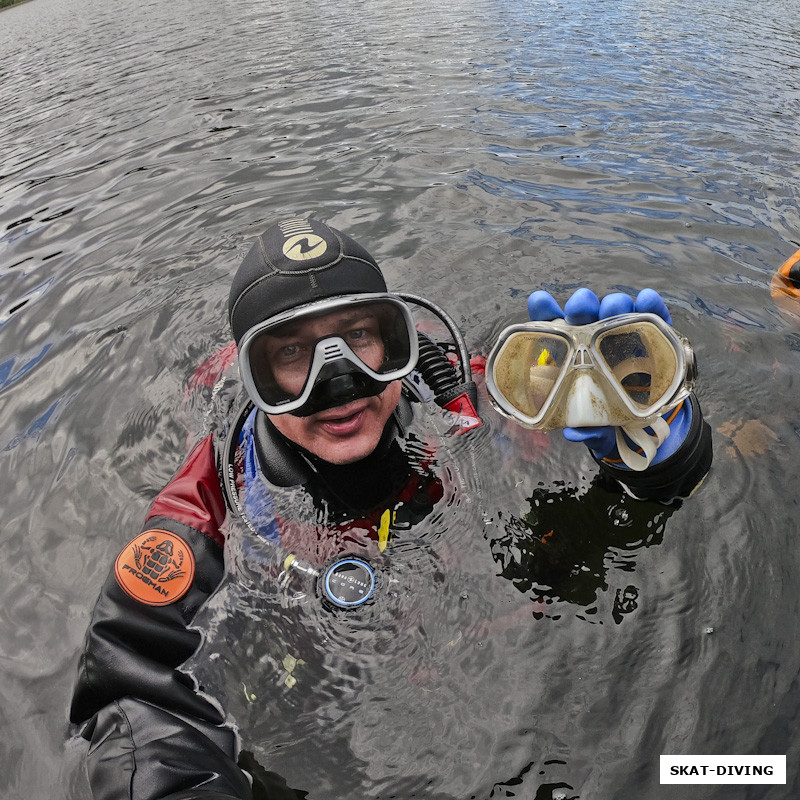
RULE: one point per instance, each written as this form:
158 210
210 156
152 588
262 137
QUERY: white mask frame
581 388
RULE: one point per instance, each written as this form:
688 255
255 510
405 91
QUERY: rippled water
480 149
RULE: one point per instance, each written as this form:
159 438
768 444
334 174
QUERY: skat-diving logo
301 244
156 568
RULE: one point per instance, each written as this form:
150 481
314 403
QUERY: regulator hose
434 366
437 370
449 322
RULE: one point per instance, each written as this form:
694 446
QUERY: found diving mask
624 371
328 353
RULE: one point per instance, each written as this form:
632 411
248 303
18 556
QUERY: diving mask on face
624 371
328 353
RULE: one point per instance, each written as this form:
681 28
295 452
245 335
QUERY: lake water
480 150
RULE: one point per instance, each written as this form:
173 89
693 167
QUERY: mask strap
649 443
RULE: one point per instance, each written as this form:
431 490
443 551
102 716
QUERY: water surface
480 150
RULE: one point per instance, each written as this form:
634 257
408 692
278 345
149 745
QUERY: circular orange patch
156 568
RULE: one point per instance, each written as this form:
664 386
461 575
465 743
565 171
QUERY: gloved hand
584 307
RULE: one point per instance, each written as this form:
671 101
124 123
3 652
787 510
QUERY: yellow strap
383 530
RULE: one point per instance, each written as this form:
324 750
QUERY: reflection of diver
322 466
559 549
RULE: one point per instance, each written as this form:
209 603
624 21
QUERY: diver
785 287
334 371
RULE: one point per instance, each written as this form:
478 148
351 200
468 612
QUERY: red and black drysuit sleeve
152 733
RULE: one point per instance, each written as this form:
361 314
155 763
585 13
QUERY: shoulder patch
155 568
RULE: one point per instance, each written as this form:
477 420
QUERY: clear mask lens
282 359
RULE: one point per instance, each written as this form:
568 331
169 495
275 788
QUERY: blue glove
584 307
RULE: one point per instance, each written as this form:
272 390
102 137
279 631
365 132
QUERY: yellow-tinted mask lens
642 361
528 367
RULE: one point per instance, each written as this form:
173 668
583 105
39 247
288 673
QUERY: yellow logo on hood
304 246
301 242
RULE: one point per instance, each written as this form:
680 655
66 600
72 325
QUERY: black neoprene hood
295 262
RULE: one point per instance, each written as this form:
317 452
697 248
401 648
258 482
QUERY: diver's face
342 434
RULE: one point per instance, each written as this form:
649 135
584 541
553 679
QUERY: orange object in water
785 288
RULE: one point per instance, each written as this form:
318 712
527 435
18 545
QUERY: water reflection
563 547
485 149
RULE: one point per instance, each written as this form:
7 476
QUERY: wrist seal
679 474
